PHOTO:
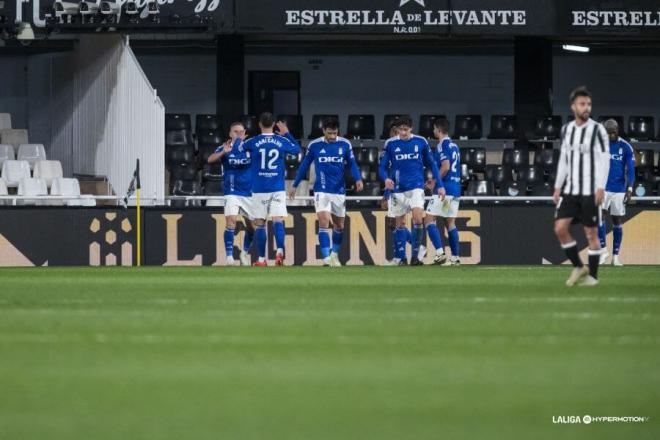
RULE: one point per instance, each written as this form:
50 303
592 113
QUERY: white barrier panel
117 116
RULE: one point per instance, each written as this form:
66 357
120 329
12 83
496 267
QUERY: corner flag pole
139 217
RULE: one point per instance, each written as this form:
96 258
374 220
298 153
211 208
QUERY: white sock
280 250
440 251
262 259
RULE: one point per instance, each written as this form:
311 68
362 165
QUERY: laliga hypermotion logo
100 251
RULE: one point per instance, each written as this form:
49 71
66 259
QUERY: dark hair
266 120
580 92
235 123
403 120
331 123
441 124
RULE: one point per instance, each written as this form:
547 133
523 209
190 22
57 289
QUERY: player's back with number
268 161
450 152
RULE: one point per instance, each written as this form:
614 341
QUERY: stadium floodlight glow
64 10
575 48
111 10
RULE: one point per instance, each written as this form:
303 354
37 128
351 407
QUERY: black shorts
582 209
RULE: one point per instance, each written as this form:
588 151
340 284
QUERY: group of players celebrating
254 185
595 175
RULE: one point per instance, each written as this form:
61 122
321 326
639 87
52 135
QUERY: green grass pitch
319 353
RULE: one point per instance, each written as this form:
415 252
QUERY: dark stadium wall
185 83
621 85
36 90
382 84
13 88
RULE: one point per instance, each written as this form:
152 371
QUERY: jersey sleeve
562 165
430 162
384 164
630 167
291 146
304 166
350 159
443 152
602 159
248 144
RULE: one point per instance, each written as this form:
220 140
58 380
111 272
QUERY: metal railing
153 201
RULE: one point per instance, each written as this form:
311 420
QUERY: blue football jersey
329 160
448 150
268 153
237 171
403 162
622 167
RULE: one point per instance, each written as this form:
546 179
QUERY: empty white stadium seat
30 186
5 121
48 170
14 136
63 186
15 170
32 153
6 153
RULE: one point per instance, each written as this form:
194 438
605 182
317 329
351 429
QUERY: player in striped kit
582 173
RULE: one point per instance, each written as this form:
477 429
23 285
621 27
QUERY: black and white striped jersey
584 161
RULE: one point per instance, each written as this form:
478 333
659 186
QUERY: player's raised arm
291 147
222 150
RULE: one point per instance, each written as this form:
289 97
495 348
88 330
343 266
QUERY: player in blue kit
330 155
390 219
268 151
402 170
618 190
236 162
448 157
